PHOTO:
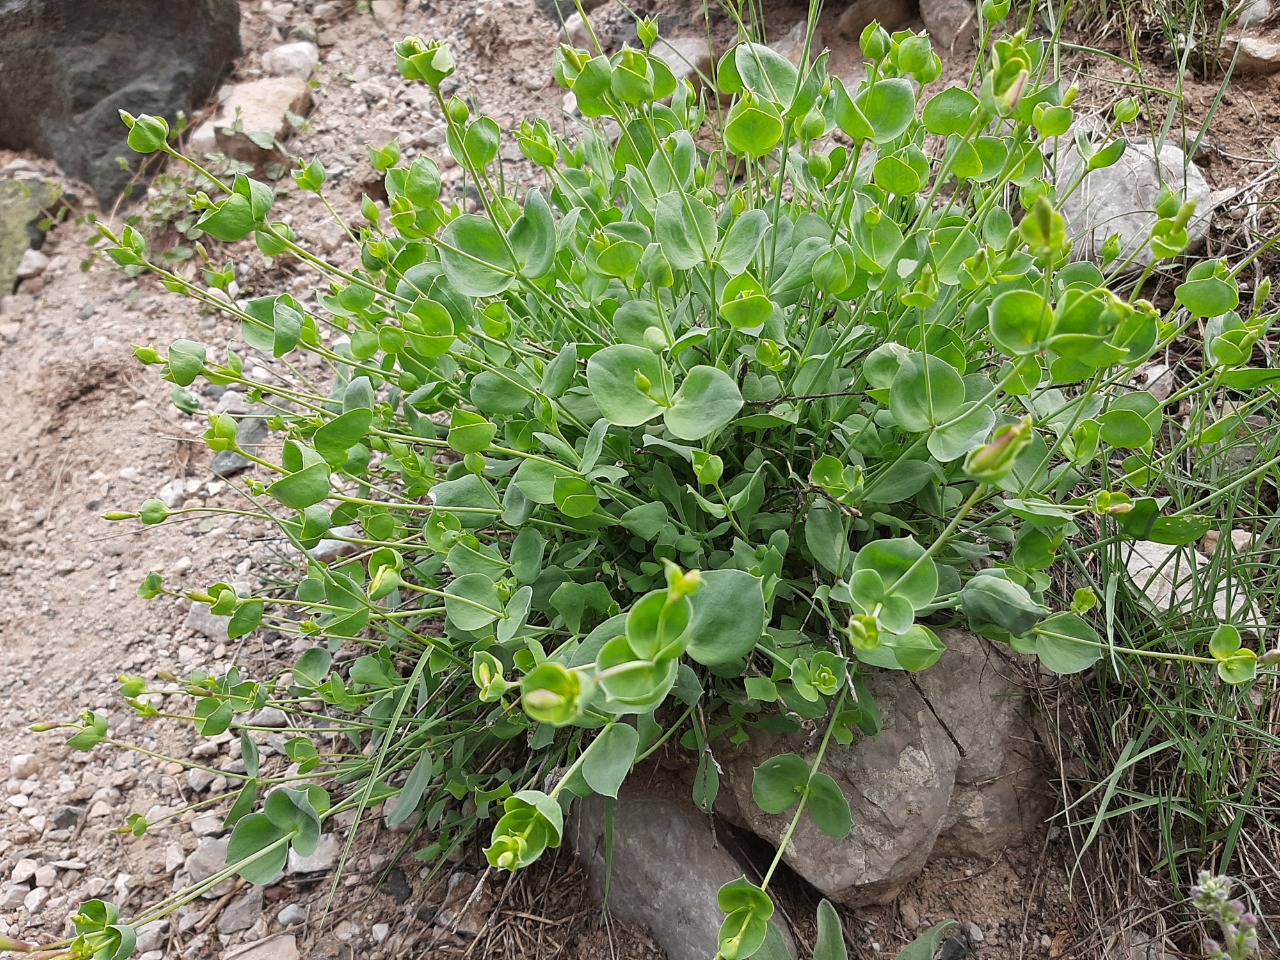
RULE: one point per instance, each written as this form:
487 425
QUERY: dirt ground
84 428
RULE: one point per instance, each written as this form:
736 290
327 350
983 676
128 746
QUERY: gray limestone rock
912 793
667 868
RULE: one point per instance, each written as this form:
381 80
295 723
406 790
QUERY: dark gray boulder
68 66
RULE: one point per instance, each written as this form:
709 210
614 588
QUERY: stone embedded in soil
206 623
467 905
1121 199
24 765
1255 56
32 264
297 59
13 896
291 914
241 913
46 876
667 868
890 14
322 859
66 817
209 857
688 57
911 793
952 24
283 947
35 900
251 117
24 870
151 936
387 13
1175 579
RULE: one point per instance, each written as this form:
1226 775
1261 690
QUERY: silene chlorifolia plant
727 411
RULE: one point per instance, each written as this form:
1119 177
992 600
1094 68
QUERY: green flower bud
430 63
551 693
864 632
458 110
875 41
642 383
994 461
153 512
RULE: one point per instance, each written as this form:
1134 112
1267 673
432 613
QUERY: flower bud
993 461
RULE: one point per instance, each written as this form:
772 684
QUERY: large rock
68 66
667 868
23 204
1121 198
912 792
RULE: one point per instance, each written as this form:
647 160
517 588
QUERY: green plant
679 445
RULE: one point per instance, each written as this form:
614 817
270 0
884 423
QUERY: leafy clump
684 441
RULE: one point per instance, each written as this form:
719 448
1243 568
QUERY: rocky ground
86 429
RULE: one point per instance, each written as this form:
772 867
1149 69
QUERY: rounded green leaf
927 392
1020 322
828 807
476 257
728 617
626 382
471 602
609 758
1066 644
706 401
779 783
950 112
903 567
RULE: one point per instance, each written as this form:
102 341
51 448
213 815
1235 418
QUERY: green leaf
471 602
830 941
337 436
185 361
828 807
728 617
995 602
230 220
1208 297
927 391
475 256
686 230
747 925
291 809
253 834
780 782
624 380
575 497
610 757
950 112
1072 647
1020 322
470 433
706 401
825 536
646 520
766 73
303 489
903 567
245 620
925 946
415 786
533 236
1225 642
